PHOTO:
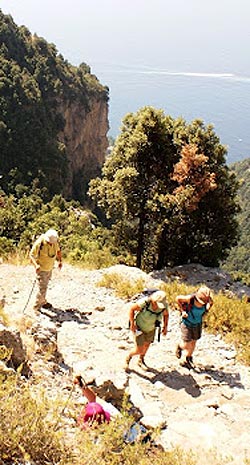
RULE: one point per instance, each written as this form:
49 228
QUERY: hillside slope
53 116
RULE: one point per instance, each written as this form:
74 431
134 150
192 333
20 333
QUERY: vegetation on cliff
238 260
34 80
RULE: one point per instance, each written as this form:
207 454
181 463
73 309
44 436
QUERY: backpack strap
40 247
187 306
152 311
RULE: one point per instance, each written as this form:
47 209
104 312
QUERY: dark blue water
220 99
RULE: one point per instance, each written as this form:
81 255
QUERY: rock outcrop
85 139
16 356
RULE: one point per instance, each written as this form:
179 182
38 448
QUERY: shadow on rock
59 315
222 377
173 380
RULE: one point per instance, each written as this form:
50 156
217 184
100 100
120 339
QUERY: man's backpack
147 292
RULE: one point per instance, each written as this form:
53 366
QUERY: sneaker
178 351
47 305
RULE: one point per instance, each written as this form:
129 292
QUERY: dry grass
37 431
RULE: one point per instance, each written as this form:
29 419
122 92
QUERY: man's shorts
145 337
190 333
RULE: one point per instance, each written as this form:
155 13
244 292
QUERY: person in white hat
192 308
45 251
144 316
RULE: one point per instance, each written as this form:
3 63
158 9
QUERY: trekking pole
159 333
82 384
64 407
67 401
158 325
30 294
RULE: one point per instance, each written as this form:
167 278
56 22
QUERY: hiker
144 317
94 415
43 254
192 308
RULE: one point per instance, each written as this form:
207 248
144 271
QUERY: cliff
85 139
53 116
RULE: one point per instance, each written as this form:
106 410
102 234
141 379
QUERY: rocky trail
204 409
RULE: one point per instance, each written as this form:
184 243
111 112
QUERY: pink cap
93 414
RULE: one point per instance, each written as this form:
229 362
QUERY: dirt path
205 408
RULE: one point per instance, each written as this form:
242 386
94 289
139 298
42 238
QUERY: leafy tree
135 173
168 190
206 233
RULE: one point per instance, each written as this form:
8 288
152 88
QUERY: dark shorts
145 337
190 333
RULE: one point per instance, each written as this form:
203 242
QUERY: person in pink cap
93 414
192 308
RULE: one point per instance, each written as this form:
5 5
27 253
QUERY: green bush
7 247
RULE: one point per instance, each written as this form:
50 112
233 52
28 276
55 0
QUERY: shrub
27 426
7 246
123 287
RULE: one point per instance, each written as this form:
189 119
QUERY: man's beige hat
160 298
51 236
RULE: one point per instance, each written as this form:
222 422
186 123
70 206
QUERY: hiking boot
128 358
178 351
187 363
141 363
47 306
190 361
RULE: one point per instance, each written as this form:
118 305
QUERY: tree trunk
140 239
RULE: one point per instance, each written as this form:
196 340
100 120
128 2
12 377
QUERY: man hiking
43 254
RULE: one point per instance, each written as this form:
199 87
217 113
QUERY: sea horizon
218 98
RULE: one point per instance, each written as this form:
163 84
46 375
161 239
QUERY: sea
221 99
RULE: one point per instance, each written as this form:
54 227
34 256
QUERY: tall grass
231 318
121 286
27 426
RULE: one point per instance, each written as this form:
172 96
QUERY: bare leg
188 347
138 350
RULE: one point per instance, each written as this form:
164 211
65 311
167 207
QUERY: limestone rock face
85 139
11 339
